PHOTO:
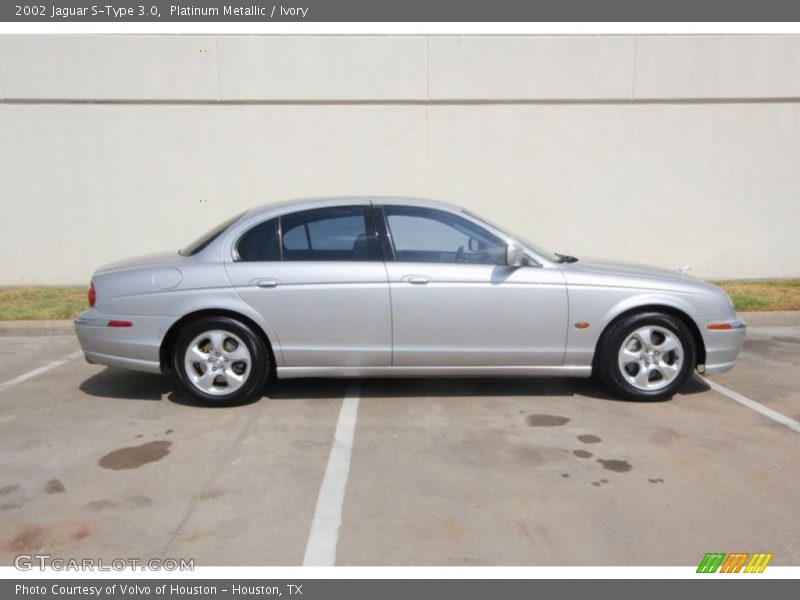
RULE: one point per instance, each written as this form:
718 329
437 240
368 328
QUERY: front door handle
417 279
267 283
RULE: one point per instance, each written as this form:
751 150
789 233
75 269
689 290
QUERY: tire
220 361
646 356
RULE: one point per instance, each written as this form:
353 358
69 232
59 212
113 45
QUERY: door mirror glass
515 255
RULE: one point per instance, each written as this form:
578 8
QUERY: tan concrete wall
678 150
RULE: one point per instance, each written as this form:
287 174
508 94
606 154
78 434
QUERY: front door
456 303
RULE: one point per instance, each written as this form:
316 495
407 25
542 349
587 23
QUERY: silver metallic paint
361 319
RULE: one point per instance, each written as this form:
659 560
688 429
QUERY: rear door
456 303
317 278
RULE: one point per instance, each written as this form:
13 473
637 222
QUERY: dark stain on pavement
30 539
81 532
134 457
99 505
588 438
656 480
168 431
54 486
788 340
546 421
7 489
10 506
616 465
565 475
583 454
139 501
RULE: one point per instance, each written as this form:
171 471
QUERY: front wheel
220 360
647 356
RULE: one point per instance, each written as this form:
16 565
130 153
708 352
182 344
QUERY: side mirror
515 255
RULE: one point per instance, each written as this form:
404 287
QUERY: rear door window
337 233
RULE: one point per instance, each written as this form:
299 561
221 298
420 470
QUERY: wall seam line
427 119
216 61
633 71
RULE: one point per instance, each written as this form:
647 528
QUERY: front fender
600 305
649 299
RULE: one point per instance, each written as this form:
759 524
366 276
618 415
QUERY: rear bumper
722 345
136 347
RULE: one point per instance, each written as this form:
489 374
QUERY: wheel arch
673 311
168 341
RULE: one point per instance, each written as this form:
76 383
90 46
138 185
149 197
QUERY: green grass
764 294
22 303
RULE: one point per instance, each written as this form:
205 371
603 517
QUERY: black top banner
400 11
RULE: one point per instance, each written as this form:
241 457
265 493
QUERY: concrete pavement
104 463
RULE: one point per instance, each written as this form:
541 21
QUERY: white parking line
39 371
756 406
324 535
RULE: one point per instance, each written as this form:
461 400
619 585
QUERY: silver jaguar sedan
391 287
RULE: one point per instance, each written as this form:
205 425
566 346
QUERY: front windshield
208 237
540 251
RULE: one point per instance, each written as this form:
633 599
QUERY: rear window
204 240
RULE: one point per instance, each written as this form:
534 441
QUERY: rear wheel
220 360
647 356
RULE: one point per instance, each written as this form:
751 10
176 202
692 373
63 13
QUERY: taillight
92 295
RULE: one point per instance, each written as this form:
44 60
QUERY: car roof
268 211
322 202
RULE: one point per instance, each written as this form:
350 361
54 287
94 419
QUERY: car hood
169 258
608 267
630 274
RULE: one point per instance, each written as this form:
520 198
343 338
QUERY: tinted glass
429 235
260 243
203 241
327 234
538 249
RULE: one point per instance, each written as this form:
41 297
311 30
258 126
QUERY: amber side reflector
719 326
581 325
120 324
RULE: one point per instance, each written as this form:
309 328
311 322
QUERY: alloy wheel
217 362
651 358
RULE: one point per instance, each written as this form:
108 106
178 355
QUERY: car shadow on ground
130 385
501 387
127 385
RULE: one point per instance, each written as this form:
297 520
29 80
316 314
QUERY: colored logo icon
719 562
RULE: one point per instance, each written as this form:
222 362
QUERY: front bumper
136 347
722 345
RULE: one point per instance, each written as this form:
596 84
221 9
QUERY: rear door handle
267 283
417 279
